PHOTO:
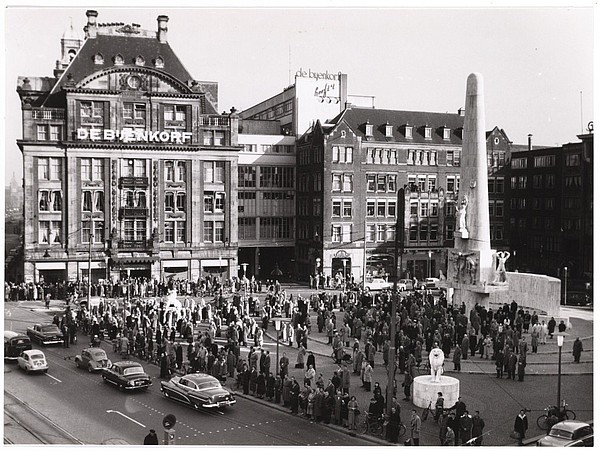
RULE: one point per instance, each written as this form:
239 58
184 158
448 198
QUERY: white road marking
49 375
123 415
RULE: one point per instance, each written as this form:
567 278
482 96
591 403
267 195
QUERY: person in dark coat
478 425
318 405
521 367
521 426
577 349
466 427
246 380
261 385
464 346
551 326
512 365
294 393
456 359
270 391
164 366
328 406
151 438
253 379
394 425
310 360
499 364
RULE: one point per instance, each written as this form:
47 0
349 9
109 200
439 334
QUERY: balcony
48 113
132 244
133 212
133 182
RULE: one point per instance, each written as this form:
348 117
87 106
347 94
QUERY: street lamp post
89 290
344 261
566 269
429 264
277 329
559 340
244 266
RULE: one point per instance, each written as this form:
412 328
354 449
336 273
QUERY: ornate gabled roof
129 47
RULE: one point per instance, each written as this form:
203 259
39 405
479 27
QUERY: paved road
96 413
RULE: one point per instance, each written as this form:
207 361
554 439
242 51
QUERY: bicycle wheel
401 430
362 427
570 415
376 428
542 422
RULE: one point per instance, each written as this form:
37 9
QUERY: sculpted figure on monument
472 270
500 273
461 215
436 361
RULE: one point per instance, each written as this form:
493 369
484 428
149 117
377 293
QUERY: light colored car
569 433
378 284
431 282
93 359
198 391
32 360
407 283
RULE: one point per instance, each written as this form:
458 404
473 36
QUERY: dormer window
368 129
159 62
408 131
118 59
459 132
427 132
139 60
98 58
388 131
343 134
446 132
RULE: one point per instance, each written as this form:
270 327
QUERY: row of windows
94 200
175 201
544 161
49 168
381 183
175 171
496 185
496 159
538 181
175 232
496 208
341 208
214 202
50 200
381 232
519 182
381 208
573 181
341 154
50 232
92 169
278 110
423 182
50 132
269 148
423 157
573 159
423 232
277 177
342 182
424 208
538 204
341 233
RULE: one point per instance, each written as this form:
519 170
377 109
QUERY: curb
331 426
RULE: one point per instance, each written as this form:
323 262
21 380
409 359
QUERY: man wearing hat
439 406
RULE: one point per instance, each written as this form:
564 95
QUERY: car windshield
37 356
99 355
51 328
21 341
209 384
556 432
133 370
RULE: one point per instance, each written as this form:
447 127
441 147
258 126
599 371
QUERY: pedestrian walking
577 349
415 427
521 426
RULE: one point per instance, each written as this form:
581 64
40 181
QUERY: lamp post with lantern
429 263
566 269
560 337
278 322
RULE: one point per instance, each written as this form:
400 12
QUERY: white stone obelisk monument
472 265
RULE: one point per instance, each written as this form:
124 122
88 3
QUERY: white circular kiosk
425 390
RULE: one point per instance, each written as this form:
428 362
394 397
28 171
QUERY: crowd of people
159 322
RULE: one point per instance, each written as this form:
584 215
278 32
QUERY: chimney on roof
91 30
529 142
461 111
162 28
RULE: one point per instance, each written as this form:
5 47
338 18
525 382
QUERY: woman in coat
456 358
253 378
310 405
368 376
344 409
270 390
300 358
353 413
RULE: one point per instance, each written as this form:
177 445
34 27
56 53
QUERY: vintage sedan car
378 284
126 375
45 334
405 284
197 390
431 283
32 360
94 359
14 344
569 433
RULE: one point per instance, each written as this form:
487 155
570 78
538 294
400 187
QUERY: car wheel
121 387
104 379
77 364
27 370
46 370
90 369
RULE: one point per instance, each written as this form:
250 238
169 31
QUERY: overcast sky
535 61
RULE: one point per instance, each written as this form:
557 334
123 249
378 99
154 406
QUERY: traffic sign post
169 436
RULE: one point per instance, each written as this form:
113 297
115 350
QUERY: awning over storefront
124 261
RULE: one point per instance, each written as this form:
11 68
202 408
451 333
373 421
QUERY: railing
217 121
141 182
48 113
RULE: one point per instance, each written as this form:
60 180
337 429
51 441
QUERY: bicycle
553 411
372 425
424 370
428 410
